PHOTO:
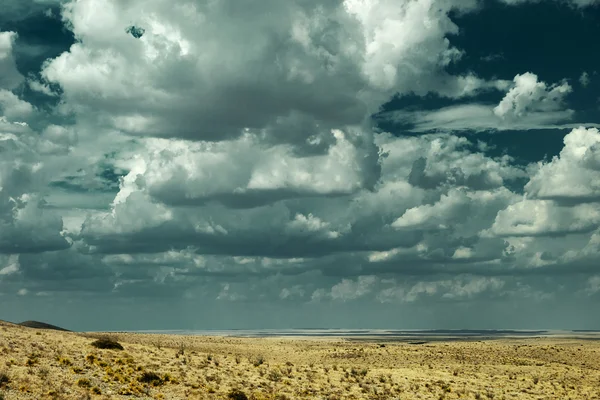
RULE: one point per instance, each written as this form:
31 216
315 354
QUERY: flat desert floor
42 364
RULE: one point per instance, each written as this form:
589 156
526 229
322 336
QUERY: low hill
42 325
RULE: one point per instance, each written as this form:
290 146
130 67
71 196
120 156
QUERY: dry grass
62 365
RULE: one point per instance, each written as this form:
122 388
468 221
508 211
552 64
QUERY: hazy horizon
221 164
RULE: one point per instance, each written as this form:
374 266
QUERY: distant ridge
42 325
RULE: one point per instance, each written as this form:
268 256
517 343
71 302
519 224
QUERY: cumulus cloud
544 217
527 104
329 64
460 287
11 265
350 290
25 226
10 77
448 162
528 96
289 104
572 176
182 163
242 173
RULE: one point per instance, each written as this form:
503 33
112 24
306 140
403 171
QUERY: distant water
400 335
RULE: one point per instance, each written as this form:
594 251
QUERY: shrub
259 360
107 343
43 373
90 358
180 350
4 379
237 394
275 376
65 362
32 360
84 383
151 378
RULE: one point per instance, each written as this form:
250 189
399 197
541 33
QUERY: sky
226 164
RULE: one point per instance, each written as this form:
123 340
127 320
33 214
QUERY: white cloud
10 77
433 217
13 108
349 289
528 104
544 217
11 265
228 294
573 175
460 287
186 77
593 284
584 79
24 225
294 292
528 96
310 224
180 172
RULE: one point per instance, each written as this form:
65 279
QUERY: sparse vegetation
151 378
58 365
4 379
107 343
258 360
84 383
236 394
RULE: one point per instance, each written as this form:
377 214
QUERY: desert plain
47 364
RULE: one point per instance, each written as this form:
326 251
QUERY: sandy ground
40 364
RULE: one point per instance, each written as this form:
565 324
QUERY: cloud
460 287
544 217
304 223
187 166
448 162
25 226
528 104
17 10
176 81
10 77
181 172
13 108
529 96
11 267
584 79
577 3
573 175
290 293
593 284
352 290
